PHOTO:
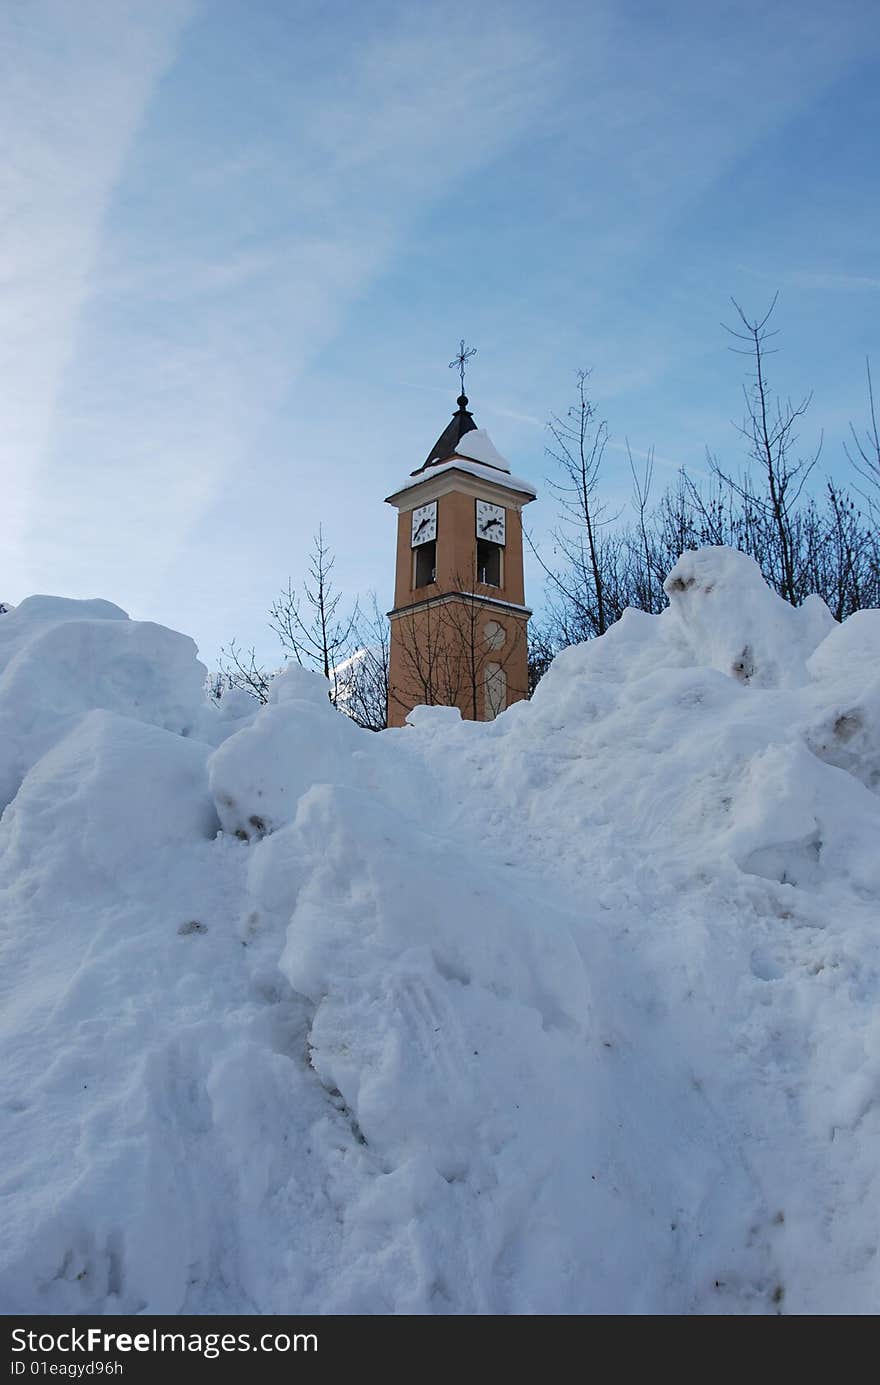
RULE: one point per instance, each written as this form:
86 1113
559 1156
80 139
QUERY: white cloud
206 309
833 281
175 278
76 80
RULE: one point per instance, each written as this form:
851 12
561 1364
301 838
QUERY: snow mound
733 622
60 659
110 795
259 774
572 1012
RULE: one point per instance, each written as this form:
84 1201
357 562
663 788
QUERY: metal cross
461 360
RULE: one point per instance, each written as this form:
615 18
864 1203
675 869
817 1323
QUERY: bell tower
459 623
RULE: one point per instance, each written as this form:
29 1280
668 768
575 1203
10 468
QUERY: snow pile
60 659
575 1011
259 774
719 601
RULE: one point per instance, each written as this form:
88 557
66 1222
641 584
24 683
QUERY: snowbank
60 659
259 775
731 621
571 1012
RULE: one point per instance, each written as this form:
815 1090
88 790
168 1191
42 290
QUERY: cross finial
461 360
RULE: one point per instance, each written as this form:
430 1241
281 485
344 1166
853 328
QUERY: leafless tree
770 430
308 622
312 630
362 679
580 579
239 669
541 652
825 542
865 454
841 553
644 581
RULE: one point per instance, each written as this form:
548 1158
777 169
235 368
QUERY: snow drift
573 1012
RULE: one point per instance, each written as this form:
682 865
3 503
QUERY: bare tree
308 623
842 553
865 457
309 626
239 669
578 448
362 679
541 652
803 542
770 430
647 571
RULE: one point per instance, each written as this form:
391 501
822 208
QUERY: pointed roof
462 447
445 447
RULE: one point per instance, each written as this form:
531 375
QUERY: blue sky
239 243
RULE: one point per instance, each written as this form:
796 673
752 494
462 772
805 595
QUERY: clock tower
459 623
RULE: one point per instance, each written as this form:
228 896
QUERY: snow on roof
484 473
479 447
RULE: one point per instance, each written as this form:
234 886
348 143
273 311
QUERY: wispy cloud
227 240
641 454
500 411
205 311
834 281
75 83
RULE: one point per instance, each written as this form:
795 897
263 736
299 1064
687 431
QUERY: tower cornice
480 599
464 477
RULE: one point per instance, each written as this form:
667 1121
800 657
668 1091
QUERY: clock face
490 521
424 524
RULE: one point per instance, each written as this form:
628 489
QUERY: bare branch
239 669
